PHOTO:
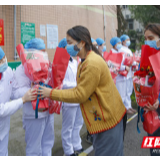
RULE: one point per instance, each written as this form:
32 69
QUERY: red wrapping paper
114 63
59 68
105 55
36 66
151 121
123 73
35 63
145 94
136 58
20 50
128 61
150 57
155 61
43 104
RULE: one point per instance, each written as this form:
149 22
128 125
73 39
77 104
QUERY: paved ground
132 142
16 146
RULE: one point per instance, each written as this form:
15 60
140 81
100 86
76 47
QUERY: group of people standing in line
89 96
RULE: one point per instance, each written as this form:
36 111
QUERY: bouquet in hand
137 59
145 80
57 74
114 61
36 65
128 61
146 86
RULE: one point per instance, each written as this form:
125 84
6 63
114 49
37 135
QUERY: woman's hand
127 68
30 95
44 92
150 107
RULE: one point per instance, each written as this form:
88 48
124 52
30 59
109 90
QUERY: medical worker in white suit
39 133
72 120
121 81
101 45
7 107
129 81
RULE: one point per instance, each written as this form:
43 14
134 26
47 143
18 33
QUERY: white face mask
119 46
153 44
4 66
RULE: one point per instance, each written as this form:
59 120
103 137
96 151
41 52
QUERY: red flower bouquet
128 61
38 68
148 92
59 68
145 80
137 58
114 61
35 63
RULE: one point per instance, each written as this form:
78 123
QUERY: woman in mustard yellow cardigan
100 102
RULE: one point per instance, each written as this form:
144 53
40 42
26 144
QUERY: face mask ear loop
157 42
79 48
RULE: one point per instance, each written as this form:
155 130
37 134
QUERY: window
124 6
130 24
127 16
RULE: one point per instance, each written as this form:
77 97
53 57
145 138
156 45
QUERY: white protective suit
7 108
126 90
39 133
72 120
121 81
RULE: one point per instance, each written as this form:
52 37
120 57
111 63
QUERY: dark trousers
110 142
124 124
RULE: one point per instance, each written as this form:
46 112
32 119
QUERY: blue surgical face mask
3 67
128 43
104 49
119 46
72 50
152 44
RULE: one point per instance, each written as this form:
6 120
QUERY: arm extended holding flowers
87 85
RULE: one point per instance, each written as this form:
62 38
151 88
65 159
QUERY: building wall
136 25
63 16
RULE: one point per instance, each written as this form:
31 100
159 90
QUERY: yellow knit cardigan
101 105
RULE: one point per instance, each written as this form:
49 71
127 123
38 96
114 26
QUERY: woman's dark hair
80 33
153 27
